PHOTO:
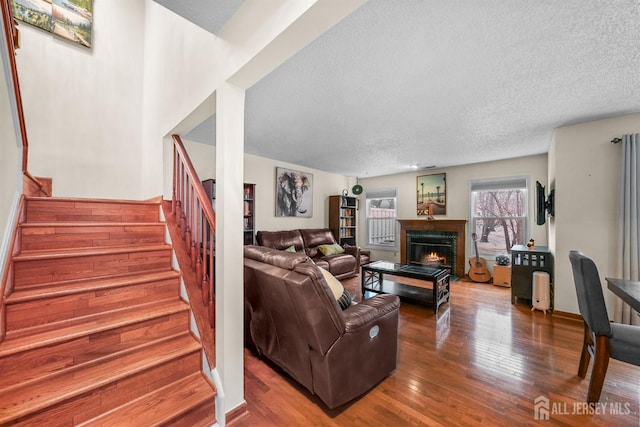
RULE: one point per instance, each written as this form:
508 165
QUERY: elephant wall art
294 193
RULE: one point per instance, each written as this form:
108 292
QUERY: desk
627 290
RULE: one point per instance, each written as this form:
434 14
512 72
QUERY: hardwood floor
480 361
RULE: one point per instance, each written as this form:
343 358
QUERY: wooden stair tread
36 224
59 209
90 251
18 402
90 200
103 358
160 406
89 325
81 285
94 327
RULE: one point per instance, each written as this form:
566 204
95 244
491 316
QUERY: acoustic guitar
478 271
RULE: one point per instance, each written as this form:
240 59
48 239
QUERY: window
499 214
381 213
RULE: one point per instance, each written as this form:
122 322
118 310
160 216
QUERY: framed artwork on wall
294 193
69 19
431 194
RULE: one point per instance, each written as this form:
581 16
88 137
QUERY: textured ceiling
210 15
444 83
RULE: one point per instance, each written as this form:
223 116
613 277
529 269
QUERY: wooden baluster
199 216
187 236
199 271
178 212
187 209
205 289
212 312
210 289
175 177
3 321
178 189
183 225
194 255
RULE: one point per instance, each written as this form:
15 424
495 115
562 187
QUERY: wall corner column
229 243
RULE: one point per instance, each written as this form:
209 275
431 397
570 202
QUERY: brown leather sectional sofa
293 318
307 241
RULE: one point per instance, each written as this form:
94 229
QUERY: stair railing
196 219
11 33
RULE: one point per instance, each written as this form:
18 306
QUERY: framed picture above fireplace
431 194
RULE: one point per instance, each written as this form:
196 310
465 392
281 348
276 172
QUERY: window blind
499 184
381 194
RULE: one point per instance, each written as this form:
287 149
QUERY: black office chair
602 339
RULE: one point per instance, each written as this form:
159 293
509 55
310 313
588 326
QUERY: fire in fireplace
434 248
434 258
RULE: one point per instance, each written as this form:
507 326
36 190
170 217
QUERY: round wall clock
357 189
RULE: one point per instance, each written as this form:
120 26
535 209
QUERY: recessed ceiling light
414 166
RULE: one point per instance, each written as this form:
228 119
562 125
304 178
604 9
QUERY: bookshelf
248 209
343 219
249 213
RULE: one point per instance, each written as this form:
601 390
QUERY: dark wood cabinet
342 219
524 262
248 210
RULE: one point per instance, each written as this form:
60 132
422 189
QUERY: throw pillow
291 249
341 295
333 249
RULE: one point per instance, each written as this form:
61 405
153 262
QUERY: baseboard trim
236 413
567 315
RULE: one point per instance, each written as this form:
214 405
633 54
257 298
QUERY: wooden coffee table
372 279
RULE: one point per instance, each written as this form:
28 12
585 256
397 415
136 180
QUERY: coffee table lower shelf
408 292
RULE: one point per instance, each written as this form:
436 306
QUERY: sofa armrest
352 250
363 356
367 311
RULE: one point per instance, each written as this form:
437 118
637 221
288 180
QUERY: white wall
10 155
262 172
587 174
83 106
182 68
458 182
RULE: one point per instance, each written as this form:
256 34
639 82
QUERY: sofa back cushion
281 240
283 259
314 237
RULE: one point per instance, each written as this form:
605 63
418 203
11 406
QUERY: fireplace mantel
453 225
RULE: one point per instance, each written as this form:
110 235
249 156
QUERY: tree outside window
499 215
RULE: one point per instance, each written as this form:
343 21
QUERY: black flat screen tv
544 205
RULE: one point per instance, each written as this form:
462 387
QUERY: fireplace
434 248
434 242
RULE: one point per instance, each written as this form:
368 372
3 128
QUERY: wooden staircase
96 331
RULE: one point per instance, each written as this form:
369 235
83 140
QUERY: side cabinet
524 262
